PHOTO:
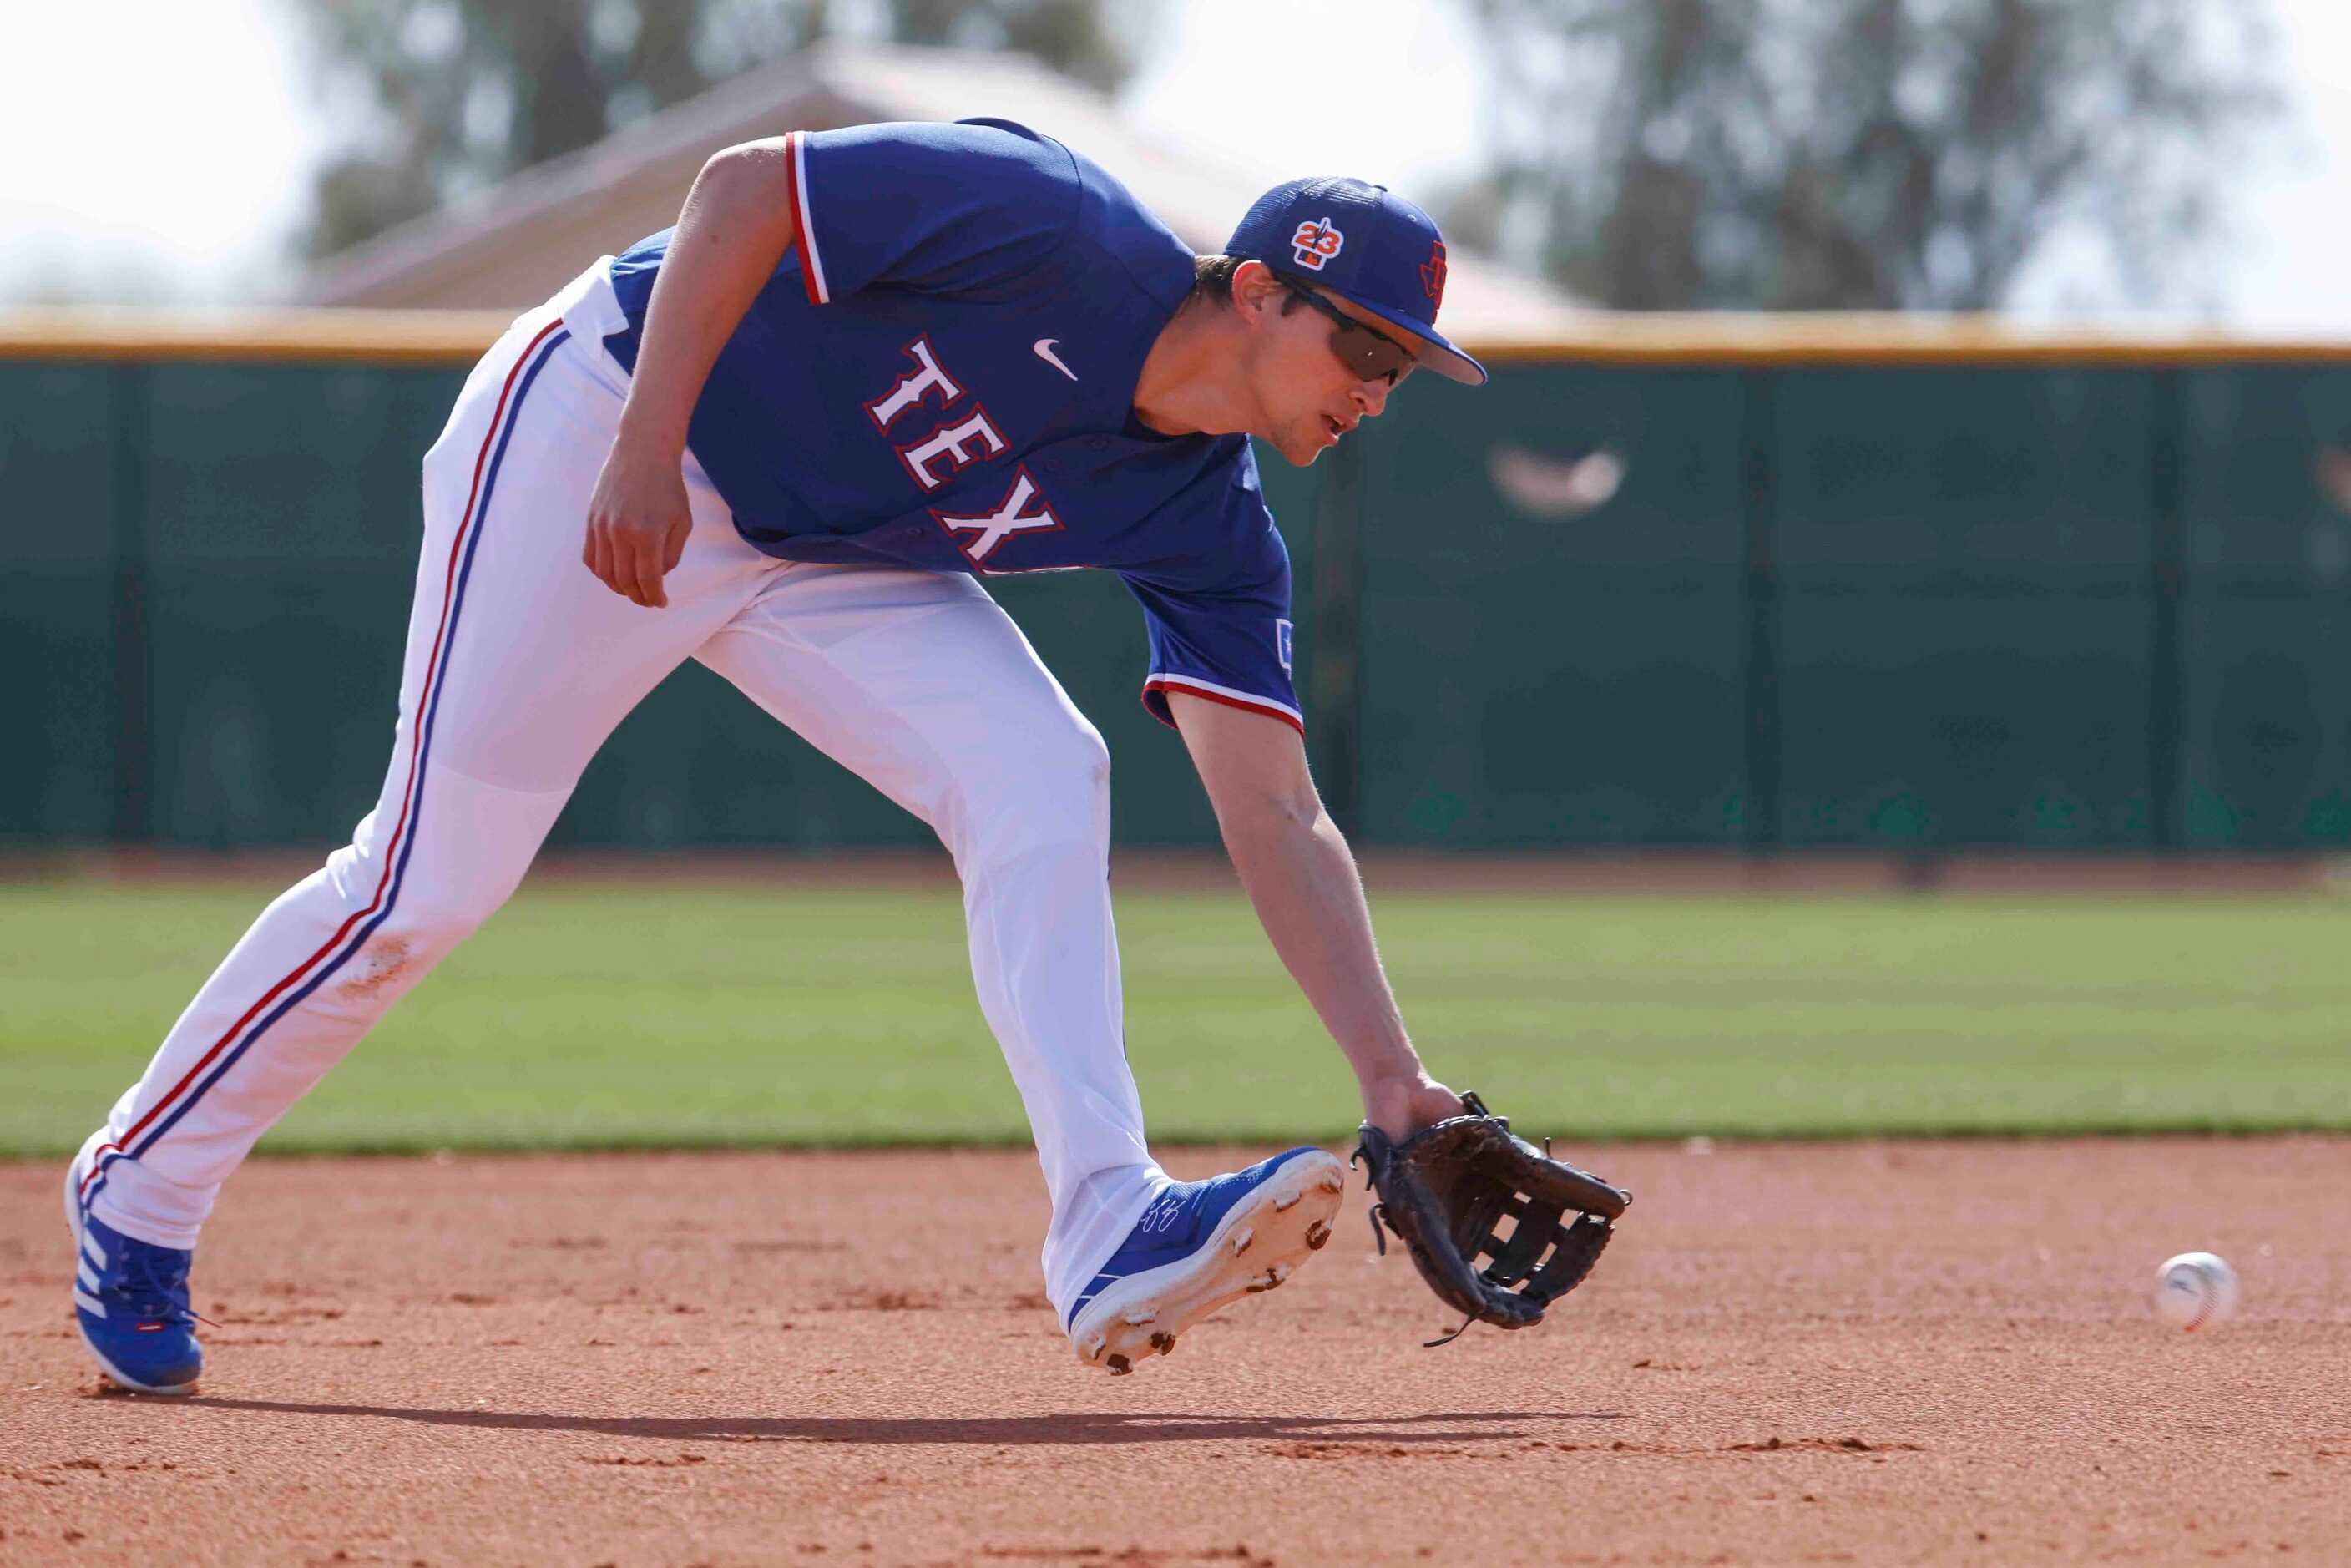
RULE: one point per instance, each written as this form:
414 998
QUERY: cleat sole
1279 1226
132 1385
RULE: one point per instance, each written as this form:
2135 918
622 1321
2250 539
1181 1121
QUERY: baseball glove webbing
1446 1192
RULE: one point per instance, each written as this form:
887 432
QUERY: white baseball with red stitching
2196 1290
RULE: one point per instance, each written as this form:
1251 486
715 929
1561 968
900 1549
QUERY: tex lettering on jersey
1022 511
956 439
938 428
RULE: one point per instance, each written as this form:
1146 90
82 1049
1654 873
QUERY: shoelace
155 1278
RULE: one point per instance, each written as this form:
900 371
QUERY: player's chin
1308 439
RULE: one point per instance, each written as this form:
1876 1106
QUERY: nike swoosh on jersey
1044 347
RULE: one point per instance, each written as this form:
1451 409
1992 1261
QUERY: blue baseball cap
1366 244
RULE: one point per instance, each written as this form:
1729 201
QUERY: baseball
2196 1289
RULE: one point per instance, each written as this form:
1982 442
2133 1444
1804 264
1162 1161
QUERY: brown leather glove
1445 1191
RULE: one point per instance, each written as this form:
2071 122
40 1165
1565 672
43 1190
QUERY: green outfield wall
1735 583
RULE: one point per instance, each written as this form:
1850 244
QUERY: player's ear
1256 291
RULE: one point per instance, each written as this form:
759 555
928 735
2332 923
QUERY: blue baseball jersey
941 374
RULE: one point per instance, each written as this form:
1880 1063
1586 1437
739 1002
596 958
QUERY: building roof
514 243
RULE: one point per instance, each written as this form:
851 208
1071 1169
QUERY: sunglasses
1369 354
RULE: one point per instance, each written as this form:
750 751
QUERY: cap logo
1432 274
1315 242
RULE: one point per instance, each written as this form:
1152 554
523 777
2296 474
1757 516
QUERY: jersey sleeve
931 209
1225 635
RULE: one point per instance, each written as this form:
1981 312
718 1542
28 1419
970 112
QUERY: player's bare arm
738 222
1300 878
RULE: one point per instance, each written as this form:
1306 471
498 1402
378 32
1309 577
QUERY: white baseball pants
520 662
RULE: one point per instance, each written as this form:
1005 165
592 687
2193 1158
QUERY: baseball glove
1445 1192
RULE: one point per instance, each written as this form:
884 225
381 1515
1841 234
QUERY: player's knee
1086 760
436 913
1055 789
1070 769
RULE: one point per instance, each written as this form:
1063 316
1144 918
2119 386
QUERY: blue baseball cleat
1200 1245
131 1300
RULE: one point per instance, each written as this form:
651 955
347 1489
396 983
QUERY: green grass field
626 1014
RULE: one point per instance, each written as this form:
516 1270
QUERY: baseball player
867 368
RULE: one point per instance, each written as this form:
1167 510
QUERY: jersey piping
1193 687
804 240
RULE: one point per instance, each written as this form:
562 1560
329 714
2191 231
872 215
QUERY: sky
177 173
2296 217
181 174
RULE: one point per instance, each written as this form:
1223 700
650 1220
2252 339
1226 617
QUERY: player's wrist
1402 1104
650 434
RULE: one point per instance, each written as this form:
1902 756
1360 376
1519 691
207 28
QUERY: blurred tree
443 96
1847 154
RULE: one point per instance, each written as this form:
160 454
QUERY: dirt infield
1900 1353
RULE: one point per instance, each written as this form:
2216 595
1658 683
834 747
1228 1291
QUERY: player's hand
1402 1106
638 520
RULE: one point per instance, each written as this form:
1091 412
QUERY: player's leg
519 663
922 684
